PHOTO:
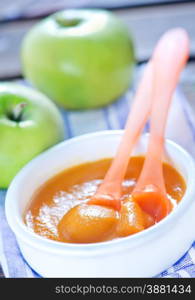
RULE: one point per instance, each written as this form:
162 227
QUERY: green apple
29 124
80 58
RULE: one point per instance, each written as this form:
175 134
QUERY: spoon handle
136 120
169 58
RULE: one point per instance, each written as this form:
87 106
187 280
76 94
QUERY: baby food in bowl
50 212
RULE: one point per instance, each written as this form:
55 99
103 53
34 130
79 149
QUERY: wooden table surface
146 19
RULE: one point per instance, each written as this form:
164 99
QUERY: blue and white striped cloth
180 128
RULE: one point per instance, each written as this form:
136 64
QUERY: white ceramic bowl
144 254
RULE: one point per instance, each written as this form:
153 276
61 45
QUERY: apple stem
68 22
17 112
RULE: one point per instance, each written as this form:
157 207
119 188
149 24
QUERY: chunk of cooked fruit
148 220
153 202
88 224
131 219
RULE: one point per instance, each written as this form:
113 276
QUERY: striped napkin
180 128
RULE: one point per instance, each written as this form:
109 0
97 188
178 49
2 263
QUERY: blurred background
146 19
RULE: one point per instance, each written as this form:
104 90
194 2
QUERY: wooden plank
113 4
22 8
11 36
146 25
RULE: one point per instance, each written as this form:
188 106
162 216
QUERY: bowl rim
36 241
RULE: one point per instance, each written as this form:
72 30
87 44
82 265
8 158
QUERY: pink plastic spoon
169 58
109 192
